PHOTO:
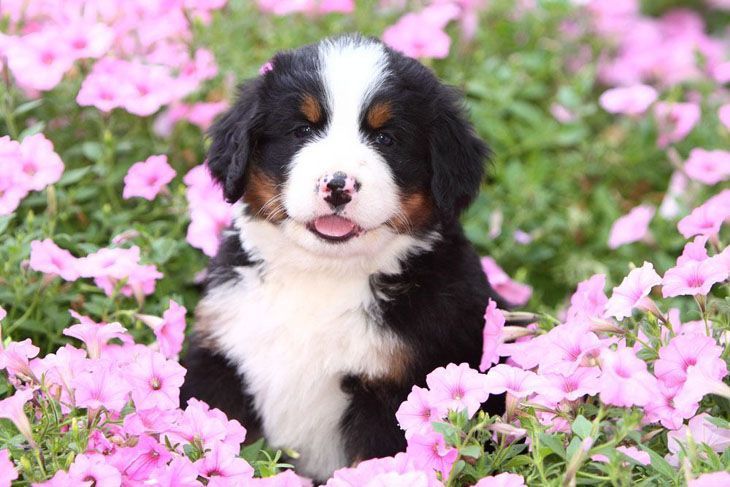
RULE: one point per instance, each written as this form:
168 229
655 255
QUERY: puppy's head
346 144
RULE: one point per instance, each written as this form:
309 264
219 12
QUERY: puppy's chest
294 337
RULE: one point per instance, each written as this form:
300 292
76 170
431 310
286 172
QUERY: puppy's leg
211 378
369 426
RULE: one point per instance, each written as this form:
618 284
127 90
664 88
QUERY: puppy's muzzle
337 189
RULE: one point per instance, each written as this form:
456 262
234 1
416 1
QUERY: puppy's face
344 145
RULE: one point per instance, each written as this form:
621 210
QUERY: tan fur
311 109
379 114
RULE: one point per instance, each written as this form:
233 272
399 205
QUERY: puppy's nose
337 189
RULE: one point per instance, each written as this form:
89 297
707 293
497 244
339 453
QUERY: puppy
346 277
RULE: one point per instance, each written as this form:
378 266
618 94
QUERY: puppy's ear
457 155
233 139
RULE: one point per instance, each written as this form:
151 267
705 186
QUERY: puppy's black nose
337 189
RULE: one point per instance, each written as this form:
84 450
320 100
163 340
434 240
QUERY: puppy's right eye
303 131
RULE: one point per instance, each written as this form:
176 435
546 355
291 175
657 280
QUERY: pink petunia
515 293
155 381
8 473
684 351
12 408
109 266
694 278
421 34
49 258
502 480
87 40
312 7
663 408
708 166
209 212
138 462
694 251
180 472
707 219
631 227
94 335
671 206
702 431
493 326
429 451
14 358
147 178
169 330
567 348
38 61
629 100
675 121
417 412
457 387
625 380
515 381
223 465
714 479
588 301
371 472
632 291
199 423
101 385
702 379
39 165
93 469
583 381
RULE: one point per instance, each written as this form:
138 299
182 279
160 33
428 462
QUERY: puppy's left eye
383 139
303 131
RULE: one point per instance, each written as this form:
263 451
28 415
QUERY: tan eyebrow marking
311 108
379 114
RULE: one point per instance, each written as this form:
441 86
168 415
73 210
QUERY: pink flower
631 227
38 61
101 385
94 335
12 408
713 479
8 473
589 300
288 478
14 358
567 348
694 251
421 34
180 472
146 179
429 451
630 100
457 387
663 408
625 381
707 218
684 351
584 381
561 113
632 291
724 115
155 381
517 382
88 40
49 258
702 431
675 121
694 278
709 167
702 379
285 7
109 266
102 88
169 330
39 164
513 292
493 326
670 206
417 412
502 480
209 212
222 463
208 426
141 460
93 469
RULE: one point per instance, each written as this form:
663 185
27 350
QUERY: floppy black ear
233 138
457 156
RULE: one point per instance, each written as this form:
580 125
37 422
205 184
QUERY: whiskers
273 210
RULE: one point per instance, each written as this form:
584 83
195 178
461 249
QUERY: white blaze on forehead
352 69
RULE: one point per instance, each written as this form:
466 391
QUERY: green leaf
251 452
4 222
553 443
473 451
74 175
582 427
27 106
573 447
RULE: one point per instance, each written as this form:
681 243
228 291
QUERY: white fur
295 326
351 72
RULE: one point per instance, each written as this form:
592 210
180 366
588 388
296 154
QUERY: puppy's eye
383 139
303 131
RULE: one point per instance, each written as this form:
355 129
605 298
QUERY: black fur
435 305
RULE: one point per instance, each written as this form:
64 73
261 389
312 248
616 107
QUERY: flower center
156 383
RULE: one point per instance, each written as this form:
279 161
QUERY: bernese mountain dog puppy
346 277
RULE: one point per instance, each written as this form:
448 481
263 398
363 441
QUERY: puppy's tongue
333 226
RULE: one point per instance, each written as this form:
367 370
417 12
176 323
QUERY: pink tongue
333 226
